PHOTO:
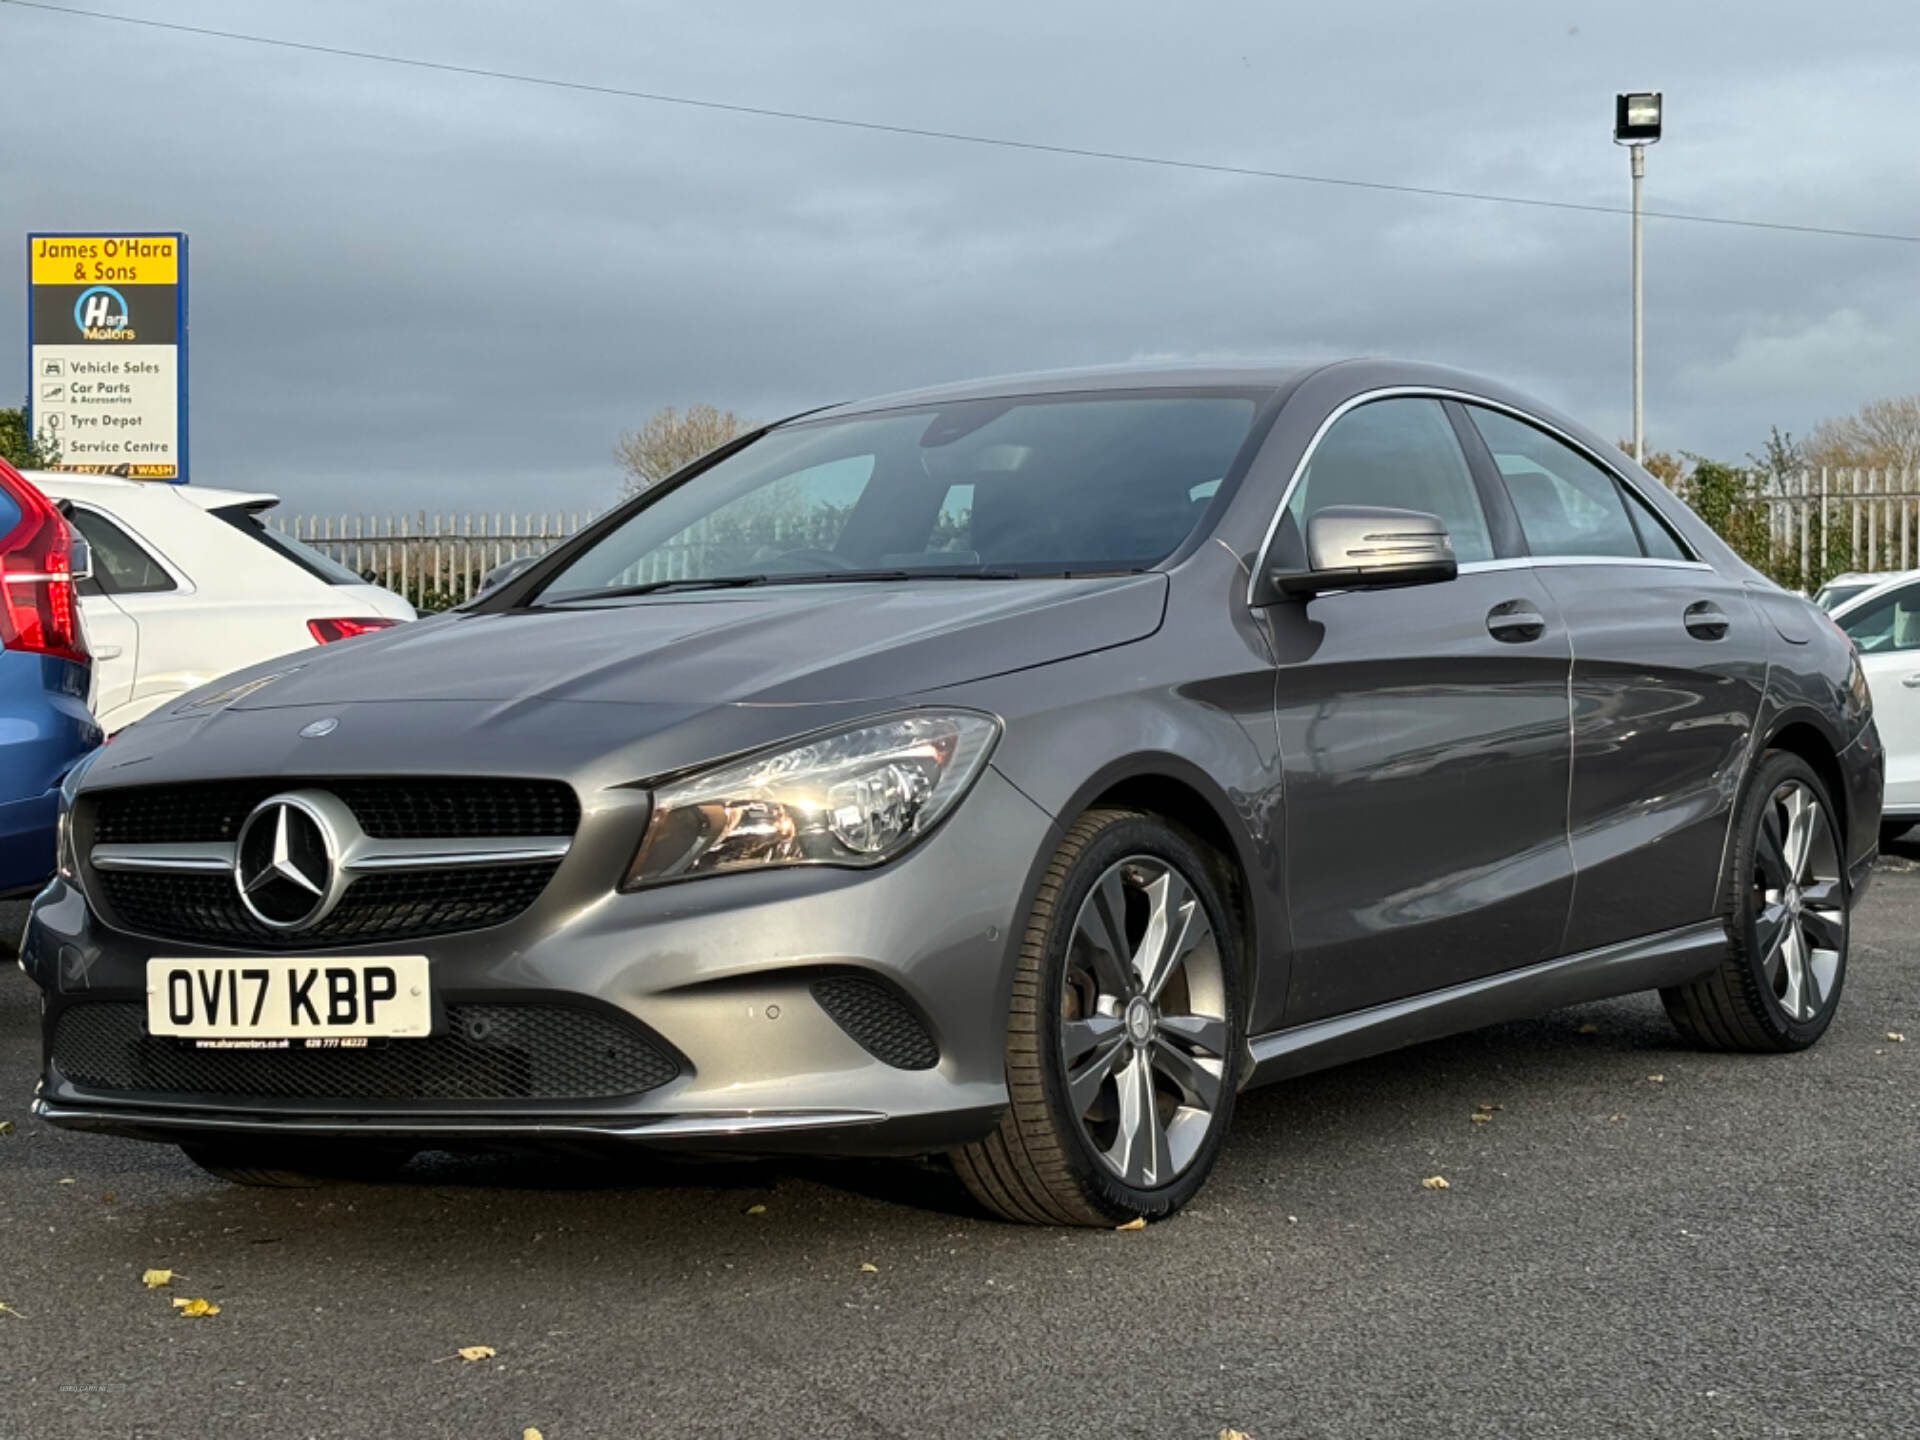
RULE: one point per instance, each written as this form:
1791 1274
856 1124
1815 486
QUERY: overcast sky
424 289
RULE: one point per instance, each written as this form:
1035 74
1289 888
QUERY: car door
121 566
1669 667
1423 736
1886 632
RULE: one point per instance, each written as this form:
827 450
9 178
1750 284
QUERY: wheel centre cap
1139 1020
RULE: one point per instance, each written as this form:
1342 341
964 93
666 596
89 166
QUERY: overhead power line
959 137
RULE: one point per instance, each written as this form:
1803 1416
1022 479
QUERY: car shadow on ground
1554 1057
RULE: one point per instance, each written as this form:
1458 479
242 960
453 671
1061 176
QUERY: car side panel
1426 771
1662 720
1191 705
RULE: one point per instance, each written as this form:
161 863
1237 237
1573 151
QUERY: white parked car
1842 588
189 583
1883 621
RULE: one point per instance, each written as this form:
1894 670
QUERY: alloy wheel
1799 901
1143 1022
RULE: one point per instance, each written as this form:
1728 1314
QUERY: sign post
107 352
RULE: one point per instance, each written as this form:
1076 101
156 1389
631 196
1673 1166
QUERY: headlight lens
65 858
859 797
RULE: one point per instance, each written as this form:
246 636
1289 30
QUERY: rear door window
1567 504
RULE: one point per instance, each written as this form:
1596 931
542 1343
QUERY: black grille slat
387 809
396 905
879 1021
490 1052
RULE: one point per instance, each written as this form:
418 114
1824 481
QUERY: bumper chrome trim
682 1126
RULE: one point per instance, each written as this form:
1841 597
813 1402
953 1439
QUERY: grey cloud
425 289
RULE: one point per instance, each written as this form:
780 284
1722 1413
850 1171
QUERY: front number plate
366 997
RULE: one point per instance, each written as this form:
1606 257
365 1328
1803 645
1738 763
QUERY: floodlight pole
1639 153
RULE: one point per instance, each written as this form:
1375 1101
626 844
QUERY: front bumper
722 970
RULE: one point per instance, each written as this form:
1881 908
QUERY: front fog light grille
489 1052
880 1022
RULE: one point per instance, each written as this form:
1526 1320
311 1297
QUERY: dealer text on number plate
281 998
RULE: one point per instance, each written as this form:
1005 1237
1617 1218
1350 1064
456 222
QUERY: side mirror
79 558
1369 547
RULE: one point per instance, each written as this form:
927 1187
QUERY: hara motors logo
101 314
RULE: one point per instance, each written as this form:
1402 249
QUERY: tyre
1784 899
1124 1036
295 1167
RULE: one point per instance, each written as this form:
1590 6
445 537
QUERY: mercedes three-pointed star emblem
284 863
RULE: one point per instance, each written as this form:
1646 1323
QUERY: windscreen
1042 486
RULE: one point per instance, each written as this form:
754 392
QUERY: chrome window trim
1549 562
1433 392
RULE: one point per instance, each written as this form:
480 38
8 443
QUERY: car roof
1882 583
1137 376
102 489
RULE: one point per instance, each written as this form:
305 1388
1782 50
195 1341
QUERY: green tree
21 449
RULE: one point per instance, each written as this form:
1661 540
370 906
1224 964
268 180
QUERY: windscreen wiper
657 587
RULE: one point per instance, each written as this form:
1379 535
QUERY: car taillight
345 627
38 611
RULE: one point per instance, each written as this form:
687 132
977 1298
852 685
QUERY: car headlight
65 858
858 797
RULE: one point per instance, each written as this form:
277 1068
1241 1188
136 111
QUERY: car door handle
1706 620
1912 682
1516 621
106 652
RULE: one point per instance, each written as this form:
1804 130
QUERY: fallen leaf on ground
756 1210
1231 1434
1589 1029
1896 1037
1656 1079
1489 1108
470 1353
1615 1119
1139 1222
6 1127
6 1309
68 1180
866 1269
196 1307
1480 1117
1435 1182
108 1196
531 1434
154 1279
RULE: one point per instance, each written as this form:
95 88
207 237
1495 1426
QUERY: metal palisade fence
439 560
435 560
1801 529
1804 528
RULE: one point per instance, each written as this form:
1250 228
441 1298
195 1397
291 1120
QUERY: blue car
45 725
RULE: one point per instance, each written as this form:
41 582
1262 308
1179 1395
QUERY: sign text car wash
107 352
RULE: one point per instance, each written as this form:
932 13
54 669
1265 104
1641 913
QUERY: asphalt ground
1642 1240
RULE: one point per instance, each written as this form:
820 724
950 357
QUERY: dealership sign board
107 352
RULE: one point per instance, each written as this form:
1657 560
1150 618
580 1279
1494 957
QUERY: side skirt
1669 958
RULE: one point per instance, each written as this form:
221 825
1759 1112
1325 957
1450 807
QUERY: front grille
880 1022
490 1052
205 909
199 908
389 809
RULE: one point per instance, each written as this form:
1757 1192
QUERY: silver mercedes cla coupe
1016 770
